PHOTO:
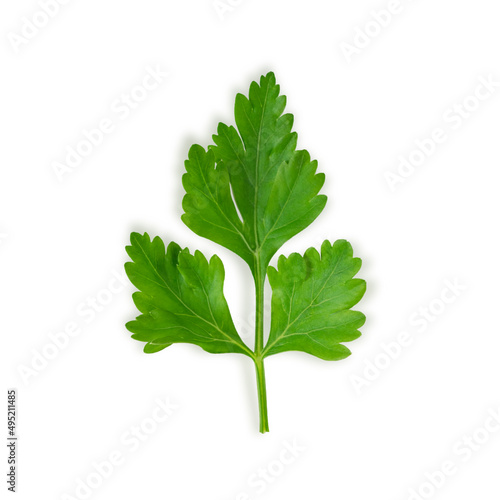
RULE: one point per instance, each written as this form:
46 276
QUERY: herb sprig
276 195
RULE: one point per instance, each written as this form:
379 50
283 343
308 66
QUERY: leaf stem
259 343
259 307
261 388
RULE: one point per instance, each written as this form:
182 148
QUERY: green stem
259 344
261 387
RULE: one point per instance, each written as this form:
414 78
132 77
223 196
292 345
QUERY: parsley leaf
250 192
274 185
312 297
180 298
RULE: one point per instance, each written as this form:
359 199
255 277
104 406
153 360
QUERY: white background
63 240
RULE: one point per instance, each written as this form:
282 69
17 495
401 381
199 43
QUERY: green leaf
181 298
311 301
152 347
251 191
275 187
208 205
